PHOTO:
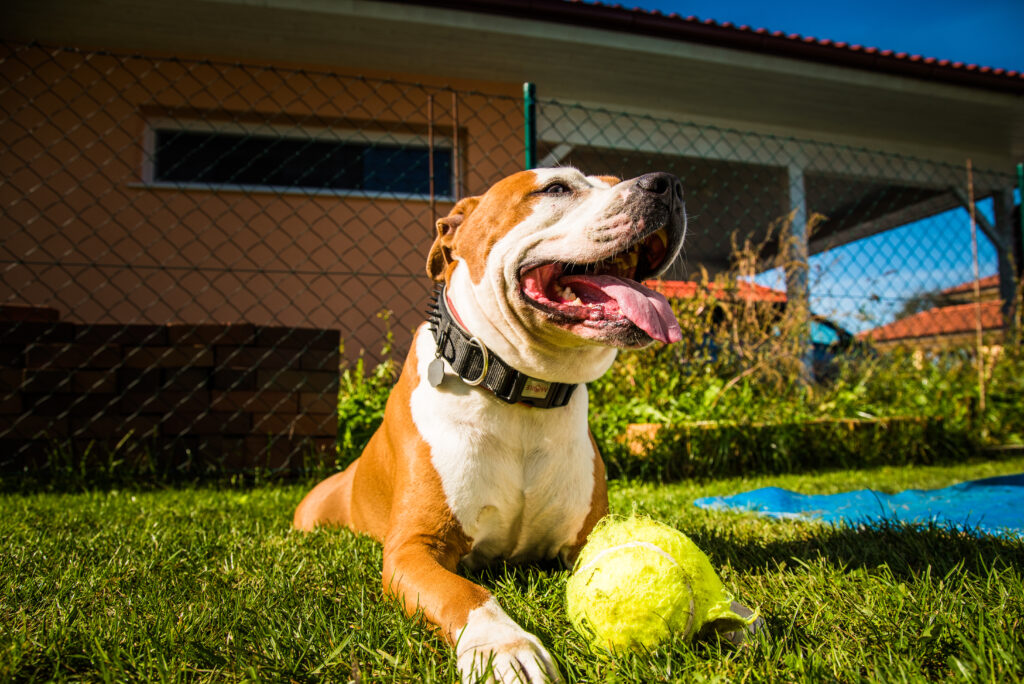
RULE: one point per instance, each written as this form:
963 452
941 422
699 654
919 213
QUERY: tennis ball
638 583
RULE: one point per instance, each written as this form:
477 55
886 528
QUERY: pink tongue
649 310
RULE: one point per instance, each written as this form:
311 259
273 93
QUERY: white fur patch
492 640
518 479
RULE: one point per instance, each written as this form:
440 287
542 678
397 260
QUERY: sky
983 32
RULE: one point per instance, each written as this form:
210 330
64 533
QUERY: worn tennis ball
639 583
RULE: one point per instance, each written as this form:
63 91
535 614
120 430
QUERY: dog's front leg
489 645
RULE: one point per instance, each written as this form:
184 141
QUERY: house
953 323
194 190
127 129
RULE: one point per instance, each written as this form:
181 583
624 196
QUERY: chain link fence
191 248
879 240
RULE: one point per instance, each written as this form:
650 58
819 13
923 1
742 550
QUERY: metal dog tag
435 372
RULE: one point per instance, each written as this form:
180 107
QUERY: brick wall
234 396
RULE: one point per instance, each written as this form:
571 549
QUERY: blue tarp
994 505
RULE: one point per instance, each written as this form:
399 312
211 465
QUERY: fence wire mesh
191 248
877 238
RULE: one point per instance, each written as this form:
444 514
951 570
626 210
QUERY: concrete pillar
796 252
1002 207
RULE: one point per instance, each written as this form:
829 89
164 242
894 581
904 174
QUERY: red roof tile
983 284
943 320
743 290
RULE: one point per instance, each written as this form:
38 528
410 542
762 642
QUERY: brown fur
392 491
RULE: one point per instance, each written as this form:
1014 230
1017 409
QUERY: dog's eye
556 189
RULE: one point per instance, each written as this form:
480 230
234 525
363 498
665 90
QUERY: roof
741 290
692 29
943 320
983 284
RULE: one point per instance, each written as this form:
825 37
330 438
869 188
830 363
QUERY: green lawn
209 583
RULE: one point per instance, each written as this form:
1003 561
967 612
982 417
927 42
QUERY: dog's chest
519 480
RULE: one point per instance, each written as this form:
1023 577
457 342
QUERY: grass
211 584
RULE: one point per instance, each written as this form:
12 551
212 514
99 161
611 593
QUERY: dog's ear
440 256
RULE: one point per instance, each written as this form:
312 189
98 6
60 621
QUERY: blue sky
985 32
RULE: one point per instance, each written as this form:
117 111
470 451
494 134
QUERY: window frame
319 133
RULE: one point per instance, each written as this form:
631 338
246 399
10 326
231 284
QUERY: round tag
435 372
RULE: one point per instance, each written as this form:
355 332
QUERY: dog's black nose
662 185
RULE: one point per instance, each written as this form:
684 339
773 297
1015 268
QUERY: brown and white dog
541 271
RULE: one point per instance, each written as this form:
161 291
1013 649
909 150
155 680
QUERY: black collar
478 365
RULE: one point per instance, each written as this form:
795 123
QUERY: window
293 158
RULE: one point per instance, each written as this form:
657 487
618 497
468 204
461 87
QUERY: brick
162 402
94 381
206 335
113 333
283 452
255 357
138 379
10 403
206 423
163 379
305 424
113 428
293 380
259 401
29 332
12 355
38 381
72 355
234 379
10 378
27 426
67 403
185 379
320 359
318 402
34 314
168 357
298 338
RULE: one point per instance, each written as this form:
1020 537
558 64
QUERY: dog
484 453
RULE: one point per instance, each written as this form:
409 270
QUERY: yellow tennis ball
639 583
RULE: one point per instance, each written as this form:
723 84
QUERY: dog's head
549 262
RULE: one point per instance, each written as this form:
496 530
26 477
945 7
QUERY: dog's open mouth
607 292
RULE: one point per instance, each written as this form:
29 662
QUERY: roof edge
655 24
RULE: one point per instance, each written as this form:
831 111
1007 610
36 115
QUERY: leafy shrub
362 396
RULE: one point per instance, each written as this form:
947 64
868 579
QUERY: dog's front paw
493 648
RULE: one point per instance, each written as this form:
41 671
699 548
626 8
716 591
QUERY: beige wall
84 234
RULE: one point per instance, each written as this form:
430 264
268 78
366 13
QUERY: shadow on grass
906 549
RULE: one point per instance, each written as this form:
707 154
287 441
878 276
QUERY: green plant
362 396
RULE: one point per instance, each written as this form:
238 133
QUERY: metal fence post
530 123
